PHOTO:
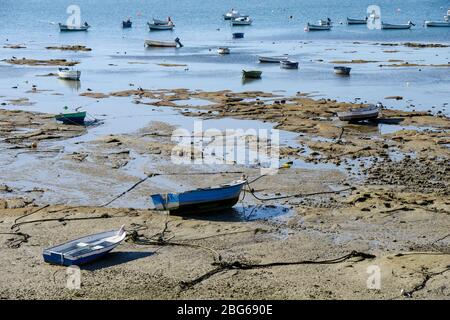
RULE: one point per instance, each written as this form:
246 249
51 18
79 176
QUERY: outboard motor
177 40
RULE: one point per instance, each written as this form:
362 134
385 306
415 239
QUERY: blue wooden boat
199 200
238 35
84 250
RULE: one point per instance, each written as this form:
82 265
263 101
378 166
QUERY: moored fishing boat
241 21
163 44
316 27
160 27
437 23
288 64
251 74
341 70
199 200
388 26
272 59
68 74
68 28
223 50
85 249
360 114
351 21
238 35
71 118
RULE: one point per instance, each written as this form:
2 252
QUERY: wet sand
395 217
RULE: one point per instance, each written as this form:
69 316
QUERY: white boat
68 74
84 250
388 26
341 70
360 114
163 44
325 22
241 21
351 21
158 21
316 27
273 59
437 23
159 27
223 50
232 14
65 27
287 64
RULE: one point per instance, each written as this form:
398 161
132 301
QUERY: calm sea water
199 20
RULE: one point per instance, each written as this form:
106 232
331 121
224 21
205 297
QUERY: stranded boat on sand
199 200
360 114
85 249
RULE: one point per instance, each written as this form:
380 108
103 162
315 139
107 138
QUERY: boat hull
316 27
238 35
362 114
85 249
66 28
387 26
437 23
160 27
351 21
344 71
160 44
200 200
69 75
71 118
289 65
251 74
272 59
126 24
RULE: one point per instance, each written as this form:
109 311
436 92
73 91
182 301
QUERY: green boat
251 74
71 118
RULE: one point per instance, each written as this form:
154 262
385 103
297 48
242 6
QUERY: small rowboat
199 200
252 74
223 51
67 74
65 27
351 21
287 64
437 23
85 249
388 26
316 27
360 114
160 27
232 14
273 59
344 71
71 118
163 44
241 21
126 24
238 35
